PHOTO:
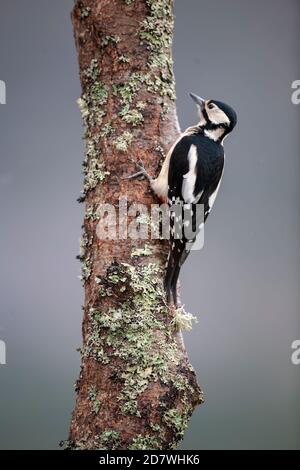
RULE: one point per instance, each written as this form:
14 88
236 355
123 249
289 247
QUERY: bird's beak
199 101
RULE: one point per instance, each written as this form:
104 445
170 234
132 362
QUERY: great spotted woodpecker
191 174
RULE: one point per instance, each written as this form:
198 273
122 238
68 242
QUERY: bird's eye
211 106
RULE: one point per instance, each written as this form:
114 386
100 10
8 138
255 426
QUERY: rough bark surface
136 388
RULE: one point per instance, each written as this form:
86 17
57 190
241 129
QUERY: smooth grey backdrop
244 285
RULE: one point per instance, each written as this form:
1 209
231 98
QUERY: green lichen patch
99 93
94 174
93 397
146 250
92 72
93 167
92 103
86 269
131 116
94 344
141 105
84 244
177 421
92 106
155 428
84 257
92 148
106 440
128 90
136 333
123 59
145 442
156 34
115 281
107 129
109 440
123 141
156 31
134 338
159 84
92 213
85 12
106 40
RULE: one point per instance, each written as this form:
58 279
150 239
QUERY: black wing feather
209 169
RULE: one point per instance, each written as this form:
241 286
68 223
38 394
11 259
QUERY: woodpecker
190 175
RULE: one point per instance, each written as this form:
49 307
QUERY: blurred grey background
244 285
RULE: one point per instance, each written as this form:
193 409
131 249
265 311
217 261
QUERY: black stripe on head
205 115
229 111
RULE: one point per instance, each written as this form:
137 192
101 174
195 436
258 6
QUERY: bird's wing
193 182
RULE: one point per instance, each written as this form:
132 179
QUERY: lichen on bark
136 388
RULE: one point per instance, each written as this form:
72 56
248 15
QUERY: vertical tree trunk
136 389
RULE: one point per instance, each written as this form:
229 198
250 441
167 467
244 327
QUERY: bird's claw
142 172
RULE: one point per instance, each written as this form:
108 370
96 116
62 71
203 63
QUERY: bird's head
217 119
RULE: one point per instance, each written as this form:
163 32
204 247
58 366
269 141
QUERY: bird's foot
142 172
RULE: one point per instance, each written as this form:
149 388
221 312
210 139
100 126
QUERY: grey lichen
84 109
182 320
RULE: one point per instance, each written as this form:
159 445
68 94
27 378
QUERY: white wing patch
160 184
189 179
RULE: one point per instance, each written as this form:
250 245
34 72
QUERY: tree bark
137 389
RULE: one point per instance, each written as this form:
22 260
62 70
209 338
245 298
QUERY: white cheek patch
217 116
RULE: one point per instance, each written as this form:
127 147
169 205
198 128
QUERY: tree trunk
136 388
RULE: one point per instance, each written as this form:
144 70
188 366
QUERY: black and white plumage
193 180
191 176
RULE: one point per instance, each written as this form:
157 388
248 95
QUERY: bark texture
136 388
